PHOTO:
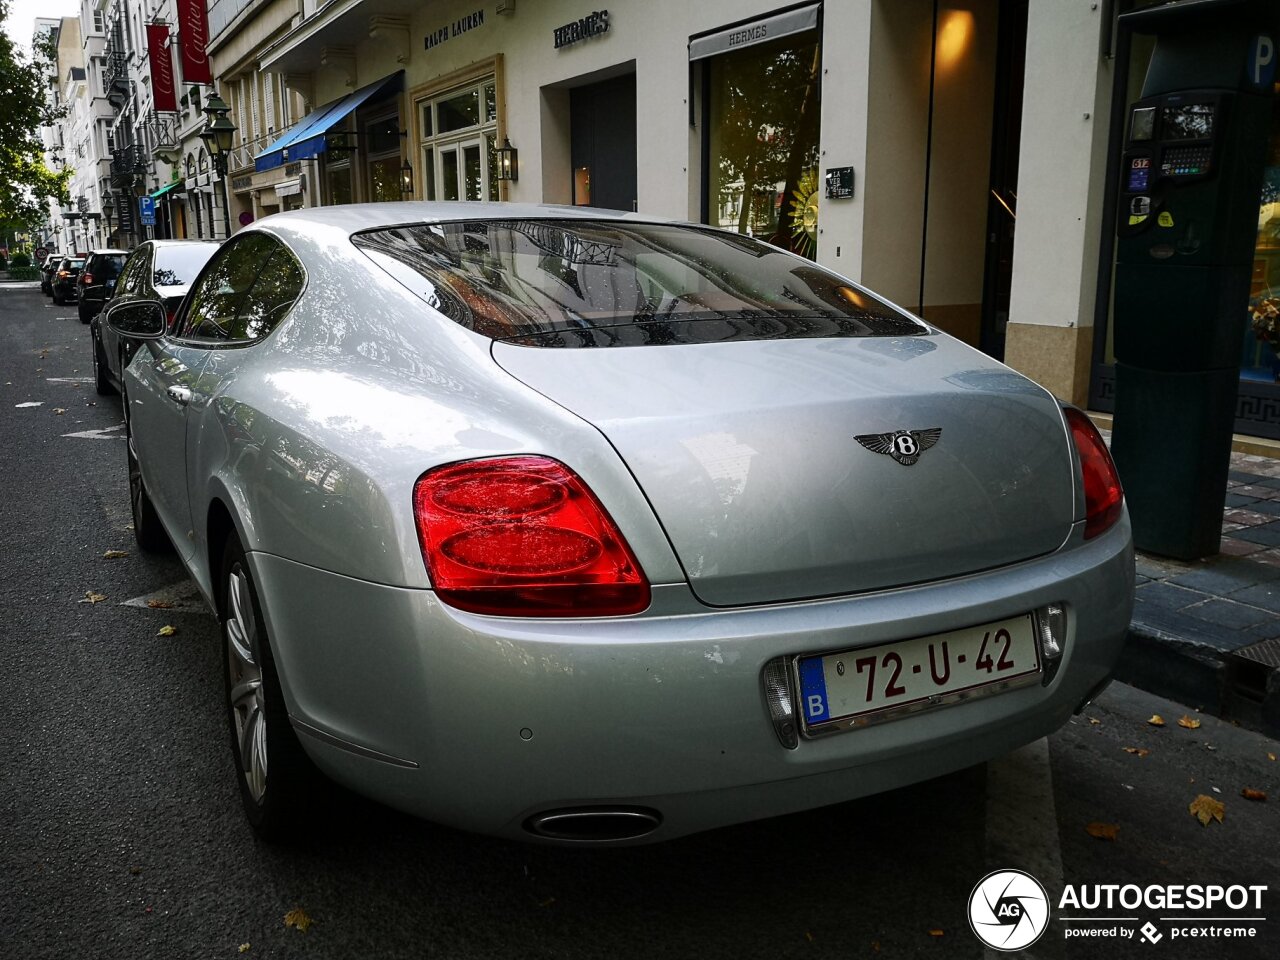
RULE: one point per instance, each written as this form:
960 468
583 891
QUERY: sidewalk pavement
1207 633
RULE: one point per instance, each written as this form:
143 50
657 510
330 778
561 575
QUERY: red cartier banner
193 28
163 89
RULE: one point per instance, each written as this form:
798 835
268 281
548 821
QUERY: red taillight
1103 498
64 273
524 537
86 278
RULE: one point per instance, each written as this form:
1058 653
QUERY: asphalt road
121 833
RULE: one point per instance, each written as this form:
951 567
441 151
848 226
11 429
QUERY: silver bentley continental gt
575 526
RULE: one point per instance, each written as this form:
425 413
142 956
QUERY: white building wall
1060 186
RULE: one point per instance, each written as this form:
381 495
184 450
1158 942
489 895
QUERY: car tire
85 314
100 381
146 522
278 783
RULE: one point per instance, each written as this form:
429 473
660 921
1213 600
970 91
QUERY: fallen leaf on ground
90 597
1156 720
1271 757
1136 751
1103 831
168 630
159 604
115 554
1255 795
244 948
547 902
808 936
59 410
1204 808
297 917
935 933
1094 722
135 870
1190 724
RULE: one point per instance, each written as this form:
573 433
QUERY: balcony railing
161 131
243 155
127 164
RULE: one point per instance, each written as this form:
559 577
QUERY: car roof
108 252
160 244
356 217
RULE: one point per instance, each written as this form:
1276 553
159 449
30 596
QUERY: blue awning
306 138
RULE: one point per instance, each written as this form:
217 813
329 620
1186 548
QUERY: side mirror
140 320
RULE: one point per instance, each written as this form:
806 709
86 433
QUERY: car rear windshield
178 266
587 283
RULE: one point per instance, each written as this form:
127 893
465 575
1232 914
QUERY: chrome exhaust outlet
594 824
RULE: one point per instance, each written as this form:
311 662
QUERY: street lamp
218 134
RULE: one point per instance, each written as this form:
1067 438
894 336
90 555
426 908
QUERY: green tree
26 184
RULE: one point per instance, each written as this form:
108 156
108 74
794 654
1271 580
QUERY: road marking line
29 403
181 597
1022 829
69 379
106 433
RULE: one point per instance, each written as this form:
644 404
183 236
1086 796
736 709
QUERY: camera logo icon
1008 910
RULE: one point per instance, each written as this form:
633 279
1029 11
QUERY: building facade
953 157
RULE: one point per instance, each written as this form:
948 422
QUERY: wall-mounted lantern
508 161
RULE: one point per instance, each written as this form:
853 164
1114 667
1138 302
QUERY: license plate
859 687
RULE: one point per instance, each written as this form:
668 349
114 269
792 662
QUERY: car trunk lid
778 468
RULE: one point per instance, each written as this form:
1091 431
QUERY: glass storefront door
459 168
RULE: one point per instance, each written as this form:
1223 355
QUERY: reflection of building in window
763 122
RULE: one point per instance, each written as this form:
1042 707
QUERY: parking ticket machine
1191 170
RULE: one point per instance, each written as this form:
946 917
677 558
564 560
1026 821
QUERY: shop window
337 181
762 110
1261 360
382 137
457 139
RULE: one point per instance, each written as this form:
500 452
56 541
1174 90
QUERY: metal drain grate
1267 652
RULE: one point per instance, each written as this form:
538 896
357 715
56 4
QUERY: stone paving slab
1192 619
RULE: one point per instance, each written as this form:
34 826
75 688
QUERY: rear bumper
480 722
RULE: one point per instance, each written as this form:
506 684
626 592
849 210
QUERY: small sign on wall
839 183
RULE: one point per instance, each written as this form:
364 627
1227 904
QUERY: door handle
179 394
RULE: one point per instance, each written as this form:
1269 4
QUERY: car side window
216 298
247 289
133 271
278 285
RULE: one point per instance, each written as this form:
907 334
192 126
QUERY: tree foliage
26 184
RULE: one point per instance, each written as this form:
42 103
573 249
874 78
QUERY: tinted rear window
107 267
178 266
583 283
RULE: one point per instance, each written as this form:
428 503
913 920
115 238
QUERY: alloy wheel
246 694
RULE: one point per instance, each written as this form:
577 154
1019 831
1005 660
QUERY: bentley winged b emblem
905 446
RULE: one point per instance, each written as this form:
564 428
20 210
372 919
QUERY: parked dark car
63 282
98 280
157 270
47 270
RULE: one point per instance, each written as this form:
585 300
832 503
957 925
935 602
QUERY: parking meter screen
1144 124
1189 121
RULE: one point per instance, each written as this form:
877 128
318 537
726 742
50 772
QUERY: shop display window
762 120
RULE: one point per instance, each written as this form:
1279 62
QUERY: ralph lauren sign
459 26
592 25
